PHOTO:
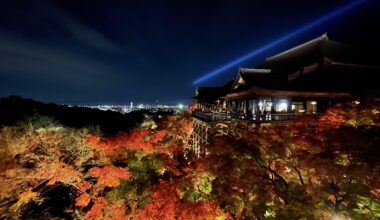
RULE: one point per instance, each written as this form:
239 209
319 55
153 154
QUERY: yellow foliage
24 198
13 141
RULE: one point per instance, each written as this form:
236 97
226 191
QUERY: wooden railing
210 116
270 117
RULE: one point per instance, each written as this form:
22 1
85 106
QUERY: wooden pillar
227 107
253 111
257 110
272 107
304 103
206 140
233 106
237 107
289 106
246 109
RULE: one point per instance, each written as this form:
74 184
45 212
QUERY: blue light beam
276 42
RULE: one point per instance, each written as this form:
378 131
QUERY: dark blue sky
87 52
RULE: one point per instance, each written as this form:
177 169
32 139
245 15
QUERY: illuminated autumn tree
304 170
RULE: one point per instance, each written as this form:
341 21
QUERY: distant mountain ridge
14 109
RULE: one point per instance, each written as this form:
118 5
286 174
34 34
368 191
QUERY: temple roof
248 77
212 93
254 71
312 46
208 93
318 68
335 77
315 51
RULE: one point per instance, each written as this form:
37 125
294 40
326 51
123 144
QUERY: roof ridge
254 70
321 38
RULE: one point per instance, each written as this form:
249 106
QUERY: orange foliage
342 113
165 200
144 140
178 127
376 193
166 205
59 172
83 186
97 209
103 210
109 176
170 164
331 119
192 107
173 133
83 200
279 166
200 210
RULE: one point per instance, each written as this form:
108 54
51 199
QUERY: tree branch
299 175
273 172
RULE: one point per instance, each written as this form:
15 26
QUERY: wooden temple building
300 82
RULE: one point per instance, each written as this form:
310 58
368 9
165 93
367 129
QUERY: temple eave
259 92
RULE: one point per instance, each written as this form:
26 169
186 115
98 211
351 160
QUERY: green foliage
220 218
145 166
299 204
133 193
367 208
199 187
43 122
148 122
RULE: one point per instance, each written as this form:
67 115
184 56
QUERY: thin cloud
86 34
21 56
82 32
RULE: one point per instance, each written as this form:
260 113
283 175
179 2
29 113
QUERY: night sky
94 52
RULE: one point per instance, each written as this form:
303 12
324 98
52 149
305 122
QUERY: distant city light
180 106
129 108
280 40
